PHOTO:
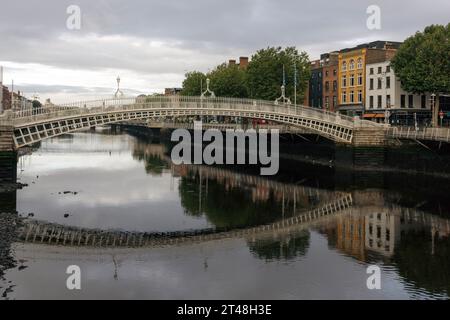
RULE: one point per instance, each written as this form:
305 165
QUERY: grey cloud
195 34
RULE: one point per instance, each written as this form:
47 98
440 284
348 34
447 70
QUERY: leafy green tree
265 73
36 104
422 63
192 84
228 81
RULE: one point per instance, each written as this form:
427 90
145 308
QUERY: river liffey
140 227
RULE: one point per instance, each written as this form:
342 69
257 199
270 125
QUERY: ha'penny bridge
19 129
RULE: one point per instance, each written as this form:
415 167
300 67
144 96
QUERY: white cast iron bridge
47 122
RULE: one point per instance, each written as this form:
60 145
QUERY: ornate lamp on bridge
119 93
283 99
211 93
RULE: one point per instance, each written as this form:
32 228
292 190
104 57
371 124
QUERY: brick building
316 85
330 64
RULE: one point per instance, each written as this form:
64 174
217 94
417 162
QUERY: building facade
5 96
352 74
387 99
330 64
316 85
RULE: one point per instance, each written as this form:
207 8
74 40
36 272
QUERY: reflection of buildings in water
382 232
379 229
346 233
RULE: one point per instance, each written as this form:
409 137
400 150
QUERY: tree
193 83
422 63
265 73
36 104
228 81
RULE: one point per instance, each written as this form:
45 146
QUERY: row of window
380 70
327 73
380 83
351 97
318 103
327 86
352 80
351 65
423 101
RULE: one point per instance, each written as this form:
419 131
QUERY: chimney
243 63
231 63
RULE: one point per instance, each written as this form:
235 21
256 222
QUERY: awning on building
380 115
369 115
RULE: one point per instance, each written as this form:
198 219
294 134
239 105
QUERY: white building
385 97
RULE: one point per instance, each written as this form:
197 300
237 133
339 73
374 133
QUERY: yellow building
351 77
352 74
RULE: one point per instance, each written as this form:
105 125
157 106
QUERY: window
327 102
334 101
424 101
360 79
410 101
327 86
352 80
380 70
334 72
379 102
359 95
344 97
402 101
319 74
388 69
380 85
371 102
334 86
352 96
344 81
388 82
352 65
371 84
326 73
388 101
371 70
359 63
344 66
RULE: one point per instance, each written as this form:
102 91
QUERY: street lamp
433 107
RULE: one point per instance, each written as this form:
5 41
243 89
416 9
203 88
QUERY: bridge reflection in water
274 218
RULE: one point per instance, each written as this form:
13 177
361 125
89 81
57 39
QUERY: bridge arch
37 125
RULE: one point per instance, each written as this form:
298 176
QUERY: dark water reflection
125 185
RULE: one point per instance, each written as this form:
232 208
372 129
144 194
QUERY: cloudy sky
152 43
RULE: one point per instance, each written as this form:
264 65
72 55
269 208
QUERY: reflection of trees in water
419 265
286 248
153 159
225 206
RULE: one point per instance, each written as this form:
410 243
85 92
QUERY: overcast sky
152 43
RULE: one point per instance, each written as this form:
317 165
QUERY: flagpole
295 84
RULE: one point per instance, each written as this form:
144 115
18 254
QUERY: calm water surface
323 227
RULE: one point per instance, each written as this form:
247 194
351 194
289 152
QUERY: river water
140 227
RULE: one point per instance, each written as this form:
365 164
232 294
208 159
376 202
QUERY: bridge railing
436 134
179 102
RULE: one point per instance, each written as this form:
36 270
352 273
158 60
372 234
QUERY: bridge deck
36 125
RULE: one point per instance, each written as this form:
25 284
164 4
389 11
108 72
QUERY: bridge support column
369 147
369 137
6 139
8 159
